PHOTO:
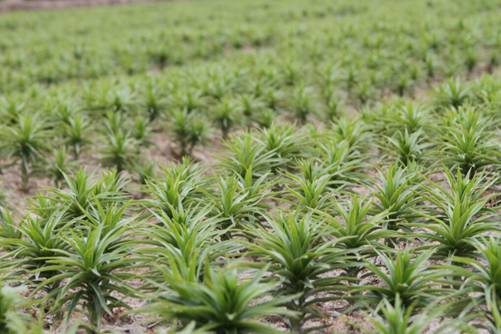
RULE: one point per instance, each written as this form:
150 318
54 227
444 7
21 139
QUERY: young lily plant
298 255
221 303
92 268
478 279
459 214
405 277
26 143
397 194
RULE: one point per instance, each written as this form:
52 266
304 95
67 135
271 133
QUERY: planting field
251 166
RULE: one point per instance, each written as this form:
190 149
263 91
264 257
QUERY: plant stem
25 177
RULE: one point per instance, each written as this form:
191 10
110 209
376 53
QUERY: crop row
392 213
373 43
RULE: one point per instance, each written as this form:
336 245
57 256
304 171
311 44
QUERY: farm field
227 167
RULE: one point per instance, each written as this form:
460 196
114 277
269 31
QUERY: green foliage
479 279
12 318
183 244
92 265
247 158
236 205
141 131
309 189
145 172
298 255
405 278
190 130
283 142
348 175
302 105
351 131
226 116
342 162
221 303
76 133
467 141
178 188
25 143
8 228
3 199
459 215
119 151
35 240
153 103
398 319
398 116
82 190
354 226
452 94
408 148
59 166
397 195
